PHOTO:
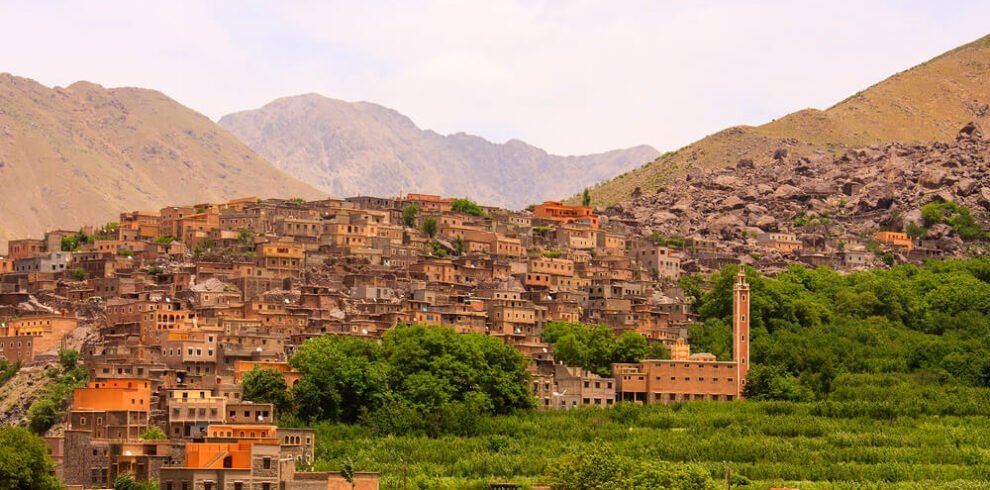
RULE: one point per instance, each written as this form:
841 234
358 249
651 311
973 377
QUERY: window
266 463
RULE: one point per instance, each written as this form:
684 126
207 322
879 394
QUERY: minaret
740 328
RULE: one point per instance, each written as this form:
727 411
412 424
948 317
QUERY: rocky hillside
864 190
929 102
362 148
85 153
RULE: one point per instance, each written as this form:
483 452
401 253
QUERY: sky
571 77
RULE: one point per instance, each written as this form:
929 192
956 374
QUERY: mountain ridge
346 147
927 102
84 153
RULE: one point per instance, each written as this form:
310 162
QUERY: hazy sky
571 77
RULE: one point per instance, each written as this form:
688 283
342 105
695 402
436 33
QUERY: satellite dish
364 331
286 301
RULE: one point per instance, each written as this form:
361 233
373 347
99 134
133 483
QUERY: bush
466 206
42 415
153 433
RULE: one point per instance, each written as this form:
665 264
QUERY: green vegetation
78 274
672 242
593 347
875 380
417 380
245 237
155 270
551 254
811 219
816 324
153 433
71 243
204 246
297 200
541 230
164 239
8 370
409 214
877 432
598 467
125 481
24 461
956 216
466 206
125 252
586 197
45 411
68 358
459 246
430 226
266 385
437 250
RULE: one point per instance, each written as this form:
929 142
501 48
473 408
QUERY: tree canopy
466 206
266 385
594 347
815 324
418 378
24 461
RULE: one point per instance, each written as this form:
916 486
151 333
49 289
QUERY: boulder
965 186
732 202
932 178
727 181
970 131
786 192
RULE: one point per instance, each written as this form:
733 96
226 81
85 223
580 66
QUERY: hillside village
170 309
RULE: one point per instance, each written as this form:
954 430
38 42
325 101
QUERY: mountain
356 148
85 153
928 102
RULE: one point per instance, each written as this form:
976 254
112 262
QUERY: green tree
42 415
459 246
774 383
78 274
24 461
409 214
266 385
245 236
593 347
586 198
164 240
347 471
425 379
657 350
430 226
466 206
70 243
153 433
68 358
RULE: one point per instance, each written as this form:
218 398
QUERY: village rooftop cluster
183 302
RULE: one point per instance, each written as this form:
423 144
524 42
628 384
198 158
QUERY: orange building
895 239
429 202
113 394
23 338
115 409
687 377
560 212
